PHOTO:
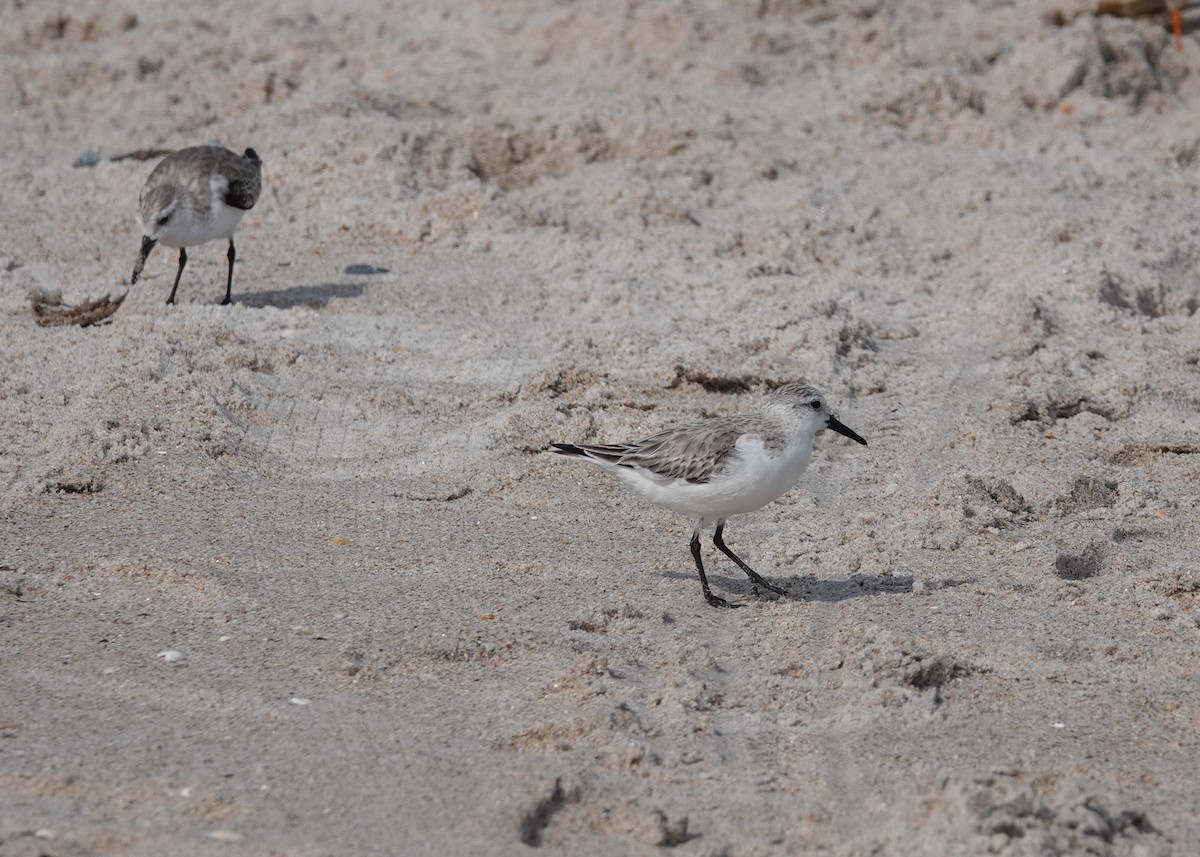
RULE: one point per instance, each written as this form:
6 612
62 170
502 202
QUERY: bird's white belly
752 482
189 231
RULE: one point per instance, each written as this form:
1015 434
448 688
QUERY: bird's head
810 402
157 212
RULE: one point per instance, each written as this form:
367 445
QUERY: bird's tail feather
604 454
569 449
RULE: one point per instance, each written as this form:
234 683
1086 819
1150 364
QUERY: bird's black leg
231 255
178 274
754 576
708 596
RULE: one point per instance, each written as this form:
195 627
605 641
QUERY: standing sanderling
194 196
722 466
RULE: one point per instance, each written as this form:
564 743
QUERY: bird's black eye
162 221
815 404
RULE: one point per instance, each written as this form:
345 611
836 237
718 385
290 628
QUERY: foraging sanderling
714 468
194 196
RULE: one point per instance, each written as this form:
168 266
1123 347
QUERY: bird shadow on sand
301 296
810 588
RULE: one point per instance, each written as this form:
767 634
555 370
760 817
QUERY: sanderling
195 196
722 466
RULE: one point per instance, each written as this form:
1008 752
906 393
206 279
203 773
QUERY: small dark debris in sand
88 158
457 494
1080 566
80 485
142 155
1131 8
365 270
1130 454
50 311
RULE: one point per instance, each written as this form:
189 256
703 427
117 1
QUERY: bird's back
191 171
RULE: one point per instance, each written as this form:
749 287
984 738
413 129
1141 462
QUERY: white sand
406 629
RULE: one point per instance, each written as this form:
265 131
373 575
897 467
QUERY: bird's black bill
846 432
147 245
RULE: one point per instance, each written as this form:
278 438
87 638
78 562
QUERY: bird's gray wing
693 451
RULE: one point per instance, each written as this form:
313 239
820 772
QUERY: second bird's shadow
315 296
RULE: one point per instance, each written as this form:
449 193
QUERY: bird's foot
719 602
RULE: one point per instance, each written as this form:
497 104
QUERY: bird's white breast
195 225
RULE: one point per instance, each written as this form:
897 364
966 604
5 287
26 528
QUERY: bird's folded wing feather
692 451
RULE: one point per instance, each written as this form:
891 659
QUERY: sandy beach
299 576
